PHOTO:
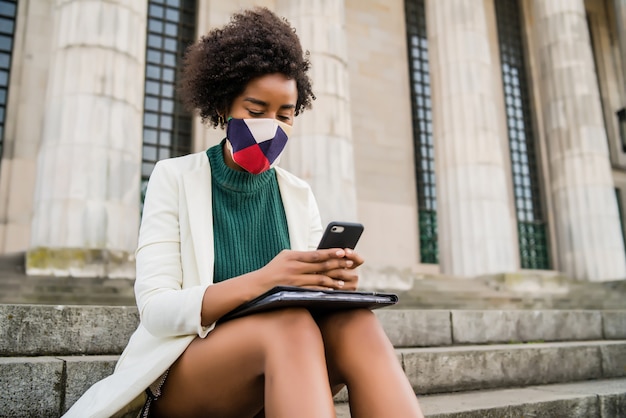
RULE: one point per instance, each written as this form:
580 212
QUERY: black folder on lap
314 300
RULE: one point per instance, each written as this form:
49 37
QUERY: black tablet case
314 300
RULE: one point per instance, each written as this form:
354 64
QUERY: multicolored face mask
256 144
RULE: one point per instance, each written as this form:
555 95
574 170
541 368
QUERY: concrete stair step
57 381
590 399
50 354
28 330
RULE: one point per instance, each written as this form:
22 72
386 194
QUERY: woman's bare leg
360 355
273 360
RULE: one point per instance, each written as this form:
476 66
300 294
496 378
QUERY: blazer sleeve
167 308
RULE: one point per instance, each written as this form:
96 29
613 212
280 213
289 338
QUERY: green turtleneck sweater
249 222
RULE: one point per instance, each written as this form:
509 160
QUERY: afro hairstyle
218 67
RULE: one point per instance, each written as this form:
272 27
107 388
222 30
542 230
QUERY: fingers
327 269
322 282
318 256
347 279
319 260
354 257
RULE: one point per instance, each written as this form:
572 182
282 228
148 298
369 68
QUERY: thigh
349 337
222 375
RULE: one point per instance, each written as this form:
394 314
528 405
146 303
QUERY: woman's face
272 96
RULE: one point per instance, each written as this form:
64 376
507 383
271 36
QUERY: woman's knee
353 321
295 326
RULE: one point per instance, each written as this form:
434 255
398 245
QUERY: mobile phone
341 235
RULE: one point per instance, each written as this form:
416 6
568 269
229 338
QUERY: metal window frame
5 84
167 126
424 153
525 171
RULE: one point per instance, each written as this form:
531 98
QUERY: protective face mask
256 144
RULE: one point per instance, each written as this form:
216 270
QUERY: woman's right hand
289 268
305 268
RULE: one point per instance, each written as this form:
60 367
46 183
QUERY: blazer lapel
296 204
199 207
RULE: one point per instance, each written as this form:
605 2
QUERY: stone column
474 214
86 211
590 246
321 150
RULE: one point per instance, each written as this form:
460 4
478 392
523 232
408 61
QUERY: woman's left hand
348 275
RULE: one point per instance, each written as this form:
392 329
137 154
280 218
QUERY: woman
220 228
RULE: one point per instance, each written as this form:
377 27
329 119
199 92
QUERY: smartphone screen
341 235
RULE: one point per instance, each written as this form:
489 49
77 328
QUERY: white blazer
174 267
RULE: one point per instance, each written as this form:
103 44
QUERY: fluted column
474 214
321 150
86 210
590 245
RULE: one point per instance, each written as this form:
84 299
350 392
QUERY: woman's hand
320 269
347 275
325 269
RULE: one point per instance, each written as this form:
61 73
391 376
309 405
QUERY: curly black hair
256 42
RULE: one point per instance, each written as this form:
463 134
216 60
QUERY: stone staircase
461 363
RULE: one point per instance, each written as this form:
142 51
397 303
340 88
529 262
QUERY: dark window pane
167 106
5 60
164 153
169 59
6 26
8 12
149 136
168 74
153 71
155 11
152 87
531 220
155 26
154 57
170 44
149 153
146 169
151 120
417 49
171 29
165 139
172 15
7 8
167 90
155 41
6 43
166 122
167 127
151 103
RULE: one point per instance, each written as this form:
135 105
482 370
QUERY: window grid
417 44
532 225
8 13
166 125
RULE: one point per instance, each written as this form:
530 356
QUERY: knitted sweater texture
249 222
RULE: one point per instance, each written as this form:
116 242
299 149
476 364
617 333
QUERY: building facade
470 137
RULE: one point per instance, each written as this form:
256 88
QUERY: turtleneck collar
233 180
